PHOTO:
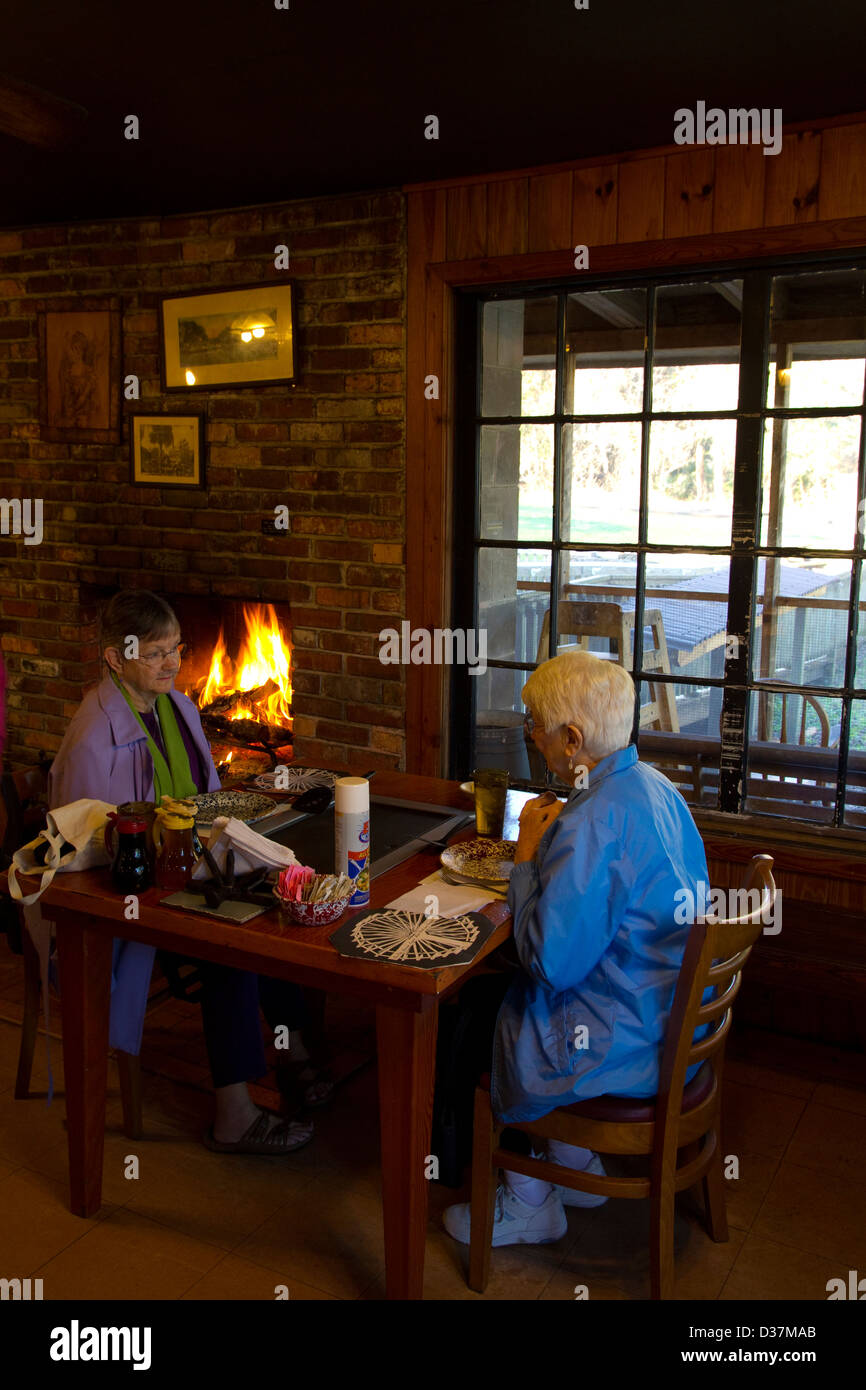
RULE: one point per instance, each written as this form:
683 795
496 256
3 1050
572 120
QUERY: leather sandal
314 1083
283 1138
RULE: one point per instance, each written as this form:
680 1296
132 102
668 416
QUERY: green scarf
172 778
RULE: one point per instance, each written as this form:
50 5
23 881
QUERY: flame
265 655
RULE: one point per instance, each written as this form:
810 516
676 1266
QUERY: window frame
744 550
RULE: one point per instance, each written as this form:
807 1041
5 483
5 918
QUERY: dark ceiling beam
37 117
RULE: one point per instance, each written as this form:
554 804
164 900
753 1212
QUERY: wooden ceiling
242 103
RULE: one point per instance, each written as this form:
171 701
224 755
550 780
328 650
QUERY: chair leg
30 1021
129 1071
714 1197
483 1193
662 1245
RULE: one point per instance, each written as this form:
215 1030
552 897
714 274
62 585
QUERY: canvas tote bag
73 840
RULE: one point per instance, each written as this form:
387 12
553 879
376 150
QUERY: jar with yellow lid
173 836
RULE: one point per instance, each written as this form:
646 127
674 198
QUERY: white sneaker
515 1222
569 1197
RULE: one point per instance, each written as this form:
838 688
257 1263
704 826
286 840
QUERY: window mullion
754 351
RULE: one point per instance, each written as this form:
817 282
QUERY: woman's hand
535 818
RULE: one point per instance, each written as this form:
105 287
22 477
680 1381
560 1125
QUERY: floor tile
238 1280
757 1120
807 1210
221 1198
763 1073
842 1097
612 1252
29 1127
744 1194
327 1236
767 1271
36 1222
128 1257
831 1141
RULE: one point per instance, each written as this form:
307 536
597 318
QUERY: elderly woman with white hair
592 898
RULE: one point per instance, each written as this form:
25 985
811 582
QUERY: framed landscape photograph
239 337
79 373
167 450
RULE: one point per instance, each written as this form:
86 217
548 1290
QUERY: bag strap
15 889
55 842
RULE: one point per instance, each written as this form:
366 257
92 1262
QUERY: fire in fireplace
245 698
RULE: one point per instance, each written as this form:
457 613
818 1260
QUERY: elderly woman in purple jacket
135 738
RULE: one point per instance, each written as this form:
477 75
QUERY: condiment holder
308 899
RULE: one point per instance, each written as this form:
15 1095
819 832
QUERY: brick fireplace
331 448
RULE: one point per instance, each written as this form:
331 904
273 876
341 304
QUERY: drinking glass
491 789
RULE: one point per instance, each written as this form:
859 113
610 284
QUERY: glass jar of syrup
130 872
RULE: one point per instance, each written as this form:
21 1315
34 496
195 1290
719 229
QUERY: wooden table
89 914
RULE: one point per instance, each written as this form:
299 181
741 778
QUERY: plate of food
294 779
480 861
245 806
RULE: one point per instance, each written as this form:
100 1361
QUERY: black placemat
413 938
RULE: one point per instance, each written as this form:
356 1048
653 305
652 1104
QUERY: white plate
295 779
484 861
245 806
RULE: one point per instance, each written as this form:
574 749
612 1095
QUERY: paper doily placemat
413 938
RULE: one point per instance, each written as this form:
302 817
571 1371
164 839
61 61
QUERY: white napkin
453 898
252 851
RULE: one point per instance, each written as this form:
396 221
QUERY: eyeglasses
529 724
154 658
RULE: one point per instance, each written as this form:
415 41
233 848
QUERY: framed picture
167 450
79 373
239 337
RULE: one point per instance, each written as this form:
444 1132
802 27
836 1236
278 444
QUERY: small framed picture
79 373
238 337
167 450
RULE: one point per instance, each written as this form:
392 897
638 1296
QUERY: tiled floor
198 1225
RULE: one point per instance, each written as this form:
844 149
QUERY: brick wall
331 448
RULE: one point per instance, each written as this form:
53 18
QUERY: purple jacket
104 755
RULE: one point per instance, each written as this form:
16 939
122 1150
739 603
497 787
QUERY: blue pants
230 1003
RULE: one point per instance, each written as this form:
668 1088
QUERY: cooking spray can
352 835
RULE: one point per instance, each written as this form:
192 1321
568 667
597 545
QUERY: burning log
251 697
246 730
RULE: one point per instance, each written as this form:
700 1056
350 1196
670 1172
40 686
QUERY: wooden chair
678 1129
765 715
609 621
24 796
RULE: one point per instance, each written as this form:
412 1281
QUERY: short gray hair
136 613
579 688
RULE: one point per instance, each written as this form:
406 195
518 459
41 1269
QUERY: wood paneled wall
658 209
655 209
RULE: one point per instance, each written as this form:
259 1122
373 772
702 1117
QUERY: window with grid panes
670 473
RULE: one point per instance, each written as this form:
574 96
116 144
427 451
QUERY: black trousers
464 1052
231 1001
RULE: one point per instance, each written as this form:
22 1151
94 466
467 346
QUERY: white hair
579 688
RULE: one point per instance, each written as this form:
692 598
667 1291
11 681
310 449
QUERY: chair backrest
585 620
575 618
24 799
716 952
766 699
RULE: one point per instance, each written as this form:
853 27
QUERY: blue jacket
595 932
104 755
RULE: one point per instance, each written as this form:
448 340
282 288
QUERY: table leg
407 1065
85 996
